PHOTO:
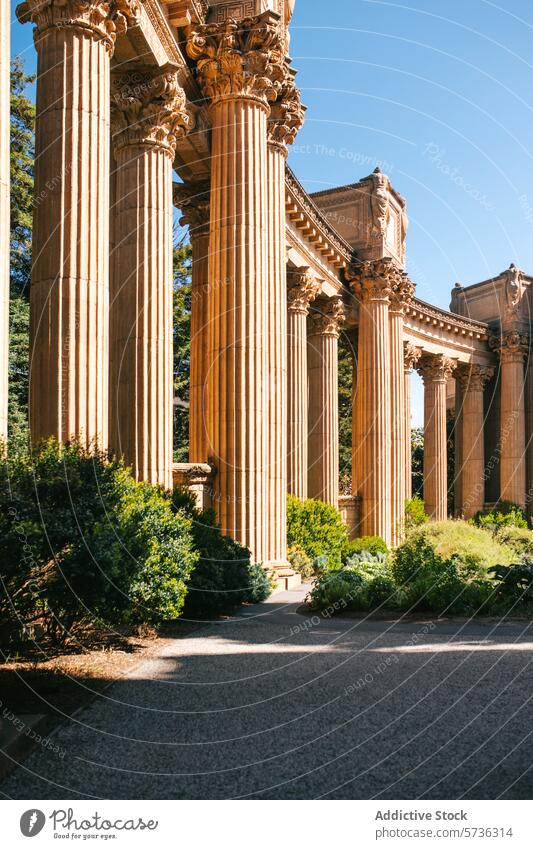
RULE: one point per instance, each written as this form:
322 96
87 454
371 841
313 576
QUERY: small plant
300 562
373 545
415 513
519 539
515 583
505 514
317 529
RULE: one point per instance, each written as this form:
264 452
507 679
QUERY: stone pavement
275 704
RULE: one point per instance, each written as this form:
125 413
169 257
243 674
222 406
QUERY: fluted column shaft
193 199
470 382
512 348
435 371
372 443
322 358
302 289
70 289
411 356
5 23
402 291
276 529
148 111
529 436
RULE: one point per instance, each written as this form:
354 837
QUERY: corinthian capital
149 111
411 356
286 113
436 368
373 280
194 201
302 288
513 345
103 19
239 58
402 291
327 316
473 378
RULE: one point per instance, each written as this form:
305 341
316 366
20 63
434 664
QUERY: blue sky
440 94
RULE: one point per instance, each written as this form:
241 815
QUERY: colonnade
264 337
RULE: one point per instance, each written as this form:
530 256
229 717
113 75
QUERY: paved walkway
273 704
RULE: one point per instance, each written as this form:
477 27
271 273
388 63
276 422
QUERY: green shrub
317 529
300 562
506 513
515 583
80 541
364 585
475 547
223 576
372 545
520 539
415 513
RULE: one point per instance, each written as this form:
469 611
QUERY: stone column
193 200
322 355
70 281
401 294
435 370
303 287
240 69
512 348
471 382
149 113
5 23
371 470
412 355
529 436
284 122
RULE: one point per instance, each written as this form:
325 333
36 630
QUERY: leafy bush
372 545
415 513
475 547
505 514
223 576
366 584
316 528
430 581
520 539
300 562
515 583
80 540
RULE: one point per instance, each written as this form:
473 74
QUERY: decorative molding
103 19
411 354
473 377
376 280
326 317
149 110
510 345
453 323
436 368
305 208
286 113
239 59
302 288
194 200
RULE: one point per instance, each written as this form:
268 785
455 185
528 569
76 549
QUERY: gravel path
276 704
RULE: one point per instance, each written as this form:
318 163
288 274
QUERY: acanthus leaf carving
193 199
412 354
327 316
149 110
239 58
104 19
287 112
510 345
436 368
302 288
473 377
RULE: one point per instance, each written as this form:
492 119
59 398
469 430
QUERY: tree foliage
182 347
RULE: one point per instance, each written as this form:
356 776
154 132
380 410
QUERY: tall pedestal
5 23
512 348
322 354
148 114
435 371
193 200
412 355
471 382
371 475
303 287
238 423
70 288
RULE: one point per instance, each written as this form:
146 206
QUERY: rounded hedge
317 529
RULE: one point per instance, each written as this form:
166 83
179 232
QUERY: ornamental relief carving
473 378
513 344
104 19
411 354
326 317
286 113
302 288
436 368
149 110
239 59
376 279
193 199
